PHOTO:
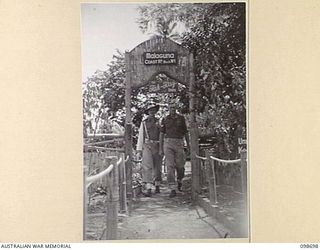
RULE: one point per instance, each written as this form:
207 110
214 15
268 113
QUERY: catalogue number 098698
309 246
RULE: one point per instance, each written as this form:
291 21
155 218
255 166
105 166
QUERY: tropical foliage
215 33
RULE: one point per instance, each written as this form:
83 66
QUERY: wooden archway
154 56
158 55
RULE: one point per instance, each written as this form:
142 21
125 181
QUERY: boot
148 193
157 190
180 186
172 194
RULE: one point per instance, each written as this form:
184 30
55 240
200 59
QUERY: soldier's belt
173 139
151 141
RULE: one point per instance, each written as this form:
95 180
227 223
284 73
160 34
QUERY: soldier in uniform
148 145
172 133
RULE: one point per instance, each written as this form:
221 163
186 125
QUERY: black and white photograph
164 91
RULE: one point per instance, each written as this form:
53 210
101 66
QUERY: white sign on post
160 58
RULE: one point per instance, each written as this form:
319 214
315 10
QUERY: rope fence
225 161
127 158
219 160
109 135
210 170
201 158
106 149
116 200
102 174
102 142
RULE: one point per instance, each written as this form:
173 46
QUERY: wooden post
128 164
112 202
194 147
202 172
122 183
243 156
244 184
128 129
212 181
209 176
85 201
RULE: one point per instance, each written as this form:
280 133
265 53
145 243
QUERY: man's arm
140 141
187 139
186 135
161 139
188 142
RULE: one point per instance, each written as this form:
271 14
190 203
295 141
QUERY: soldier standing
172 133
148 145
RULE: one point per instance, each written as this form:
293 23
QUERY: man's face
172 108
152 111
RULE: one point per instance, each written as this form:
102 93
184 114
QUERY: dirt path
161 217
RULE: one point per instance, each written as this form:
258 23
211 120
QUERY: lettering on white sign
160 58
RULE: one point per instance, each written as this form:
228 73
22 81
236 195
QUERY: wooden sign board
158 55
160 58
165 87
242 145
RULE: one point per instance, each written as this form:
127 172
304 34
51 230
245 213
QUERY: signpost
160 58
242 145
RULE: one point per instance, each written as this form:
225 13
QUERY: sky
105 28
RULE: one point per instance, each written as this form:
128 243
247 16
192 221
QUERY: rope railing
114 177
103 148
103 142
113 196
108 135
210 168
225 161
96 177
201 158
217 159
127 158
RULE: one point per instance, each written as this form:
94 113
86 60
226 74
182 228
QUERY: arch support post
128 130
194 144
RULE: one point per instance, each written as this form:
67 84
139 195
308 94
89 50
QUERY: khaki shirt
149 129
174 126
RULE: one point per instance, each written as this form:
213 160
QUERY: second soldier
148 145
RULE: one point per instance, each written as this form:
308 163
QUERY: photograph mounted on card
164 119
